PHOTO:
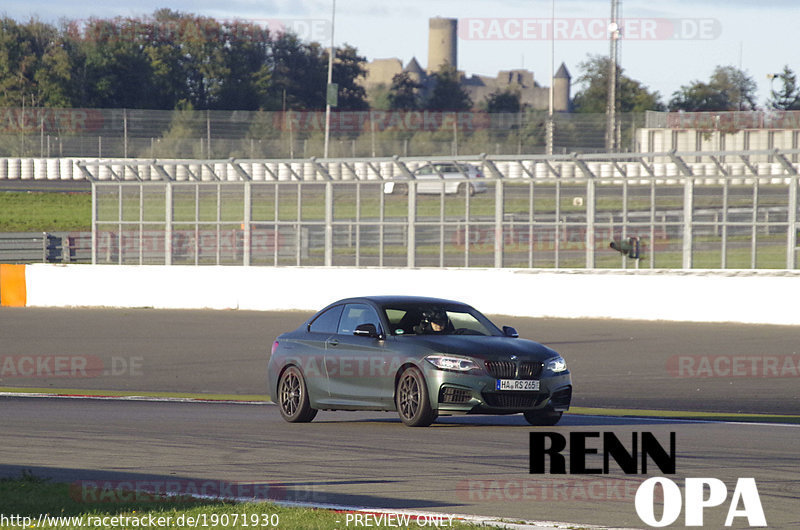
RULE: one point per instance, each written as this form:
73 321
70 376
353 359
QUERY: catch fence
699 210
206 134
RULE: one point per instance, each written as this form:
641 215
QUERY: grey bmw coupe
423 357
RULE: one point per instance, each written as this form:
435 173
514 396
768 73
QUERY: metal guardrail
45 247
542 211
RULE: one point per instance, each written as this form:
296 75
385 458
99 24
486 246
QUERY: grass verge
32 502
45 212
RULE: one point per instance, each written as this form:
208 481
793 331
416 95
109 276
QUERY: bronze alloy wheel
292 397
413 403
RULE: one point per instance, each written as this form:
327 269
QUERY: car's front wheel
411 398
293 399
466 189
542 417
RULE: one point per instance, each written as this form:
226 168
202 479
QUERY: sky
664 45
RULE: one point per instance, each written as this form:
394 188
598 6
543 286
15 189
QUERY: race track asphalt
614 363
473 465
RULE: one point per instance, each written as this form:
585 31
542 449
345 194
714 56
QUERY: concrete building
443 50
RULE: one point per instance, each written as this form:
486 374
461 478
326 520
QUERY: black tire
411 398
542 418
465 188
293 401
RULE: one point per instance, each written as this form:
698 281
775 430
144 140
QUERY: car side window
327 322
355 315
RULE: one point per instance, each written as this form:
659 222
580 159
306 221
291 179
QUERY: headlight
453 364
556 364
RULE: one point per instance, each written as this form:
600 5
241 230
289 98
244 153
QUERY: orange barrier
13 291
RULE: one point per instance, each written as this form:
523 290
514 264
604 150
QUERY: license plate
517 384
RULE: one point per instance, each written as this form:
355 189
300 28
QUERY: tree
182 137
170 59
787 97
298 73
347 69
109 68
728 89
592 96
737 85
34 66
404 92
503 101
447 92
699 97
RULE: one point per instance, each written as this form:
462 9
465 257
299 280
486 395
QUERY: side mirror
367 330
508 331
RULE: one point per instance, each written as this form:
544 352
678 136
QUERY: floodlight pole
611 103
550 124
327 88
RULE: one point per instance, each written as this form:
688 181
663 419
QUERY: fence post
791 219
688 208
791 236
248 216
125 133
412 224
328 223
94 220
590 210
498 223
590 220
168 224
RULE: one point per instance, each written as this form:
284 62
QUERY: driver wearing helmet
432 322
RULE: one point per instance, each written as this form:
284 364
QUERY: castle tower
561 86
442 43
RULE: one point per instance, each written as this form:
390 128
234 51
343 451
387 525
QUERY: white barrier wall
710 296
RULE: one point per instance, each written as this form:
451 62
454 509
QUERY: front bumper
456 393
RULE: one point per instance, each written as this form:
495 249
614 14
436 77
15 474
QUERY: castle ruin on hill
443 50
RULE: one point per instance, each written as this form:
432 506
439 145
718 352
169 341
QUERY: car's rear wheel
542 417
411 398
293 399
465 188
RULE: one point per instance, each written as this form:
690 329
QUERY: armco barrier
699 296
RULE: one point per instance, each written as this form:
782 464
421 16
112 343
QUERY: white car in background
454 178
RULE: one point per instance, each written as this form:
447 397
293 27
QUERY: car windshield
437 319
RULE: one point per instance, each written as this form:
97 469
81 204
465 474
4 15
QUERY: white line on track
133 398
270 403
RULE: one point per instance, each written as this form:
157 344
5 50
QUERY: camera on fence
629 246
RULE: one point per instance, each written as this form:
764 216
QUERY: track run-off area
729 392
